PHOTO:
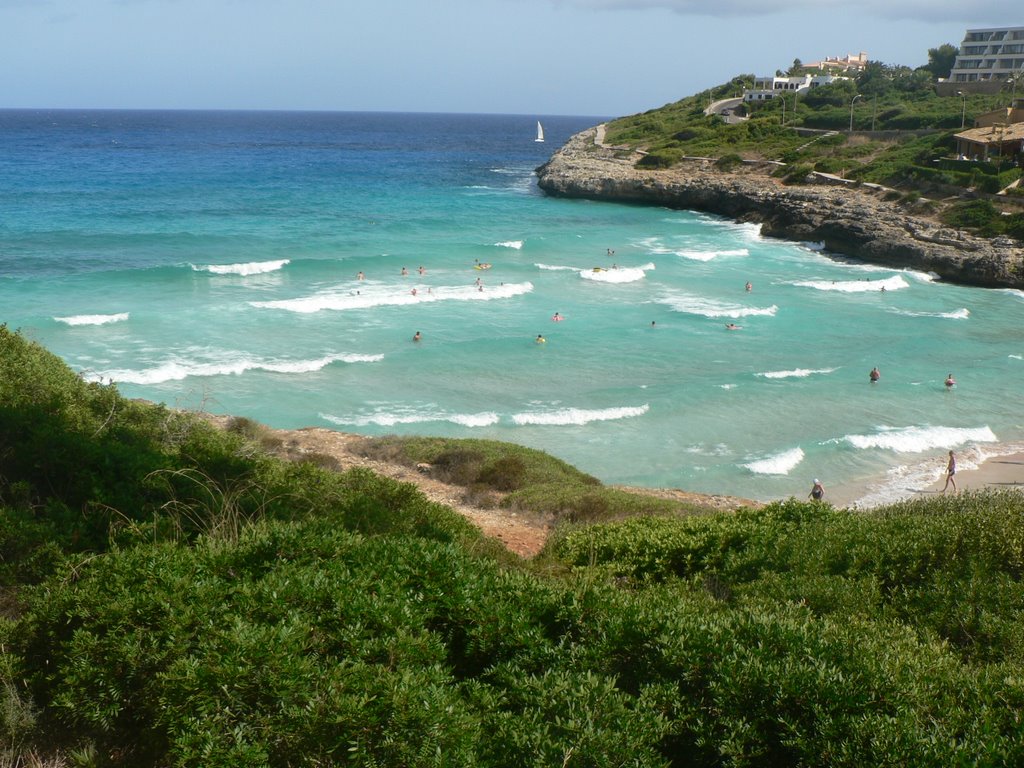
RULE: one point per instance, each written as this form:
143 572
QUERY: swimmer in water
733 327
360 276
950 381
875 374
557 317
416 336
540 339
749 287
404 271
422 271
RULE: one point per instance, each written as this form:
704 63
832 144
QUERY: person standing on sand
817 491
950 471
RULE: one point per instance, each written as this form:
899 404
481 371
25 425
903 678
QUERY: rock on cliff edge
851 219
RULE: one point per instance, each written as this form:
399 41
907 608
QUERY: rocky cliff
852 220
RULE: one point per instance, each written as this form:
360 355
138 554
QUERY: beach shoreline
978 469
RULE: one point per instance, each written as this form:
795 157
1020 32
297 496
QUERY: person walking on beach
817 491
950 471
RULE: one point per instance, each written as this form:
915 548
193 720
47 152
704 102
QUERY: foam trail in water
393 416
698 255
387 296
576 416
921 439
698 305
120 317
250 268
616 274
175 370
960 314
894 283
556 268
514 244
779 464
798 373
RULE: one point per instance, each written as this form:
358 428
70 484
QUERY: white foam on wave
248 268
120 317
514 244
556 268
796 373
391 416
779 464
616 274
960 314
576 416
697 255
388 296
705 307
920 439
237 364
817 247
894 283
1016 357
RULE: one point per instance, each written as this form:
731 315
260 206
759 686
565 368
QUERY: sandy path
522 533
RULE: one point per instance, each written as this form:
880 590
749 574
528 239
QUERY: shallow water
210 260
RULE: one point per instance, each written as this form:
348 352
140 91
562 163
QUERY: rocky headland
854 220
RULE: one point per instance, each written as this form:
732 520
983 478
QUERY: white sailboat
540 132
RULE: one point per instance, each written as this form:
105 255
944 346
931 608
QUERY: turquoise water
211 260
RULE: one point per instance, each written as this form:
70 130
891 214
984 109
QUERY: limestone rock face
852 220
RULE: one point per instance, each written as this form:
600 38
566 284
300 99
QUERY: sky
601 58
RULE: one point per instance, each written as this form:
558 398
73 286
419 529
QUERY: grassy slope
175 596
916 165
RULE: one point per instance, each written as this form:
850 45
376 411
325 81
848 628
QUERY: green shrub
728 162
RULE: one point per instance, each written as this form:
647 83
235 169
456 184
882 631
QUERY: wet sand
1002 472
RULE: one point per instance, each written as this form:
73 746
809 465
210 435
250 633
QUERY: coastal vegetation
175 594
885 125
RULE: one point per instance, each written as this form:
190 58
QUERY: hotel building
989 55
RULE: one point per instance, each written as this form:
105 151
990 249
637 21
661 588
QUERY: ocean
212 260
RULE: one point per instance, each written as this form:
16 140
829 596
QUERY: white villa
769 87
989 54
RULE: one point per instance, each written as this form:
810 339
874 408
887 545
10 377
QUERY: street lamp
963 111
851 110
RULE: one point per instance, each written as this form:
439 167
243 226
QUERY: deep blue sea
212 260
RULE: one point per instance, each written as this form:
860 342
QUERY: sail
540 132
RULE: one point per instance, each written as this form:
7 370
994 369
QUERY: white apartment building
989 54
769 87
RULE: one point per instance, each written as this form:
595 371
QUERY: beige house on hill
1005 142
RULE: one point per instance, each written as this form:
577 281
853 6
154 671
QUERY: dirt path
521 533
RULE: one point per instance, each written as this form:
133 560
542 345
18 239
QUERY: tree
875 79
795 69
941 60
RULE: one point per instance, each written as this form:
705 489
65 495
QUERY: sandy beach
1002 472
